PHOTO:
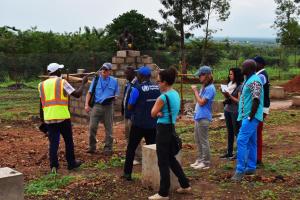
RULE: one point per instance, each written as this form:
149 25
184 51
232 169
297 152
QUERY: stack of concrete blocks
11 184
126 58
78 113
277 92
150 171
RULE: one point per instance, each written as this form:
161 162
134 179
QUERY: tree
221 9
184 12
143 29
287 12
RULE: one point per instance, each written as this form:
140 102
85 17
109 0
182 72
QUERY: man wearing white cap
104 89
54 96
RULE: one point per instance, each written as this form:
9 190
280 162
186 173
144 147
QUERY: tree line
25 54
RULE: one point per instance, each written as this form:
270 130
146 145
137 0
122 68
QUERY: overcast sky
249 18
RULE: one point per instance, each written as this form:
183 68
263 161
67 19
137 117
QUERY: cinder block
11 184
138 59
277 92
130 60
296 101
114 66
120 73
123 67
147 60
118 60
132 53
121 54
150 171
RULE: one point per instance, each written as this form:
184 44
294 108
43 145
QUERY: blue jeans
247 146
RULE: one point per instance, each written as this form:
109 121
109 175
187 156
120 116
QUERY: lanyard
103 88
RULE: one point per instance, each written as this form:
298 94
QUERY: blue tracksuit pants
247 146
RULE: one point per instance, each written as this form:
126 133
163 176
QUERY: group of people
150 110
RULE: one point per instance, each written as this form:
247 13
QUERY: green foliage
115 161
46 183
18 104
144 30
267 194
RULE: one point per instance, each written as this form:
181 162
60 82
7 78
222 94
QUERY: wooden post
181 87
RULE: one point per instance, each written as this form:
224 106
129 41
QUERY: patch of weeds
225 185
190 172
228 166
113 162
284 166
258 184
101 165
267 194
283 118
116 161
136 176
46 183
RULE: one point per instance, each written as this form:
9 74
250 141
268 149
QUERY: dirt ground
25 149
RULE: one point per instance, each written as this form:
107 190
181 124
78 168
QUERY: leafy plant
46 183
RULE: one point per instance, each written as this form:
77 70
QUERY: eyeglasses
104 69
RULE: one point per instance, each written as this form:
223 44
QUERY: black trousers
166 160
233 127
135 136
54 130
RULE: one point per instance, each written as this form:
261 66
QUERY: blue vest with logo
246 100
127 90
141 116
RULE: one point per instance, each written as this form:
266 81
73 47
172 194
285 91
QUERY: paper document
224 88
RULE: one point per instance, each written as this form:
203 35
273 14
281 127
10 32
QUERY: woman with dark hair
166 108
234 85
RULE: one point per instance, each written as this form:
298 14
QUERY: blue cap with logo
106 66
144 70
203 70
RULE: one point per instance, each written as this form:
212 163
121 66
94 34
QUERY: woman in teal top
164 131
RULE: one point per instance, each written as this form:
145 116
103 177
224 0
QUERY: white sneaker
135 162
195 163
201 166
157 197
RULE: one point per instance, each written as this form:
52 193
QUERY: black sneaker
127 177
259 164
75 165
226 156
250 172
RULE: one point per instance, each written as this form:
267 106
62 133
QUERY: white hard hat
52 67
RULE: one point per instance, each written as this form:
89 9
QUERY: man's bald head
248 67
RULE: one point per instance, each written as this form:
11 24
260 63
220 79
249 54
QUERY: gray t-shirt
232 106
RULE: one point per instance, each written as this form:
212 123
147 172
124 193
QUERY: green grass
112 163
284 166
18 104
46 183
283 118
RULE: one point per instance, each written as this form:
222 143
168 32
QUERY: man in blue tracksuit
250 114
141 101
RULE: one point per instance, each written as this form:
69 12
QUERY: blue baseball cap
260 60
144 70
203 70
106 66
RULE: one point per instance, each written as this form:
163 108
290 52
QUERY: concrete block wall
126 58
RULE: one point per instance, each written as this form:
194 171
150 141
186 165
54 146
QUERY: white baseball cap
52 67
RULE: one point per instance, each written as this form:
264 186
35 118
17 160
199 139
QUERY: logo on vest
145 88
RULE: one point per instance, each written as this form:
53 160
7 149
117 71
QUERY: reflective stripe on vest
54 102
